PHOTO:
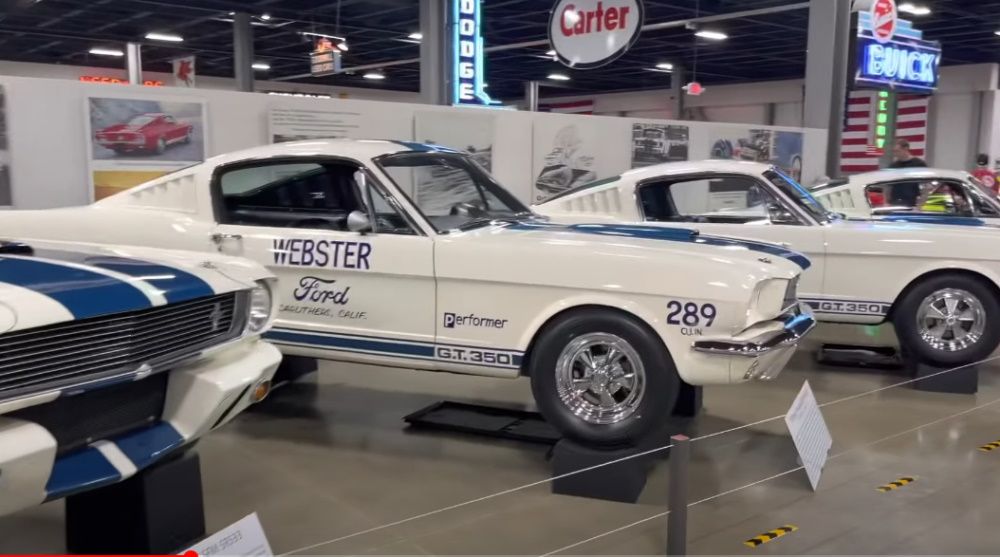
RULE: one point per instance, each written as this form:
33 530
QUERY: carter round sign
884 17
591 33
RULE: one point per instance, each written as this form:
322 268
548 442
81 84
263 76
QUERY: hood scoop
15 248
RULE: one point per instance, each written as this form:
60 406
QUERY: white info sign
812 438
244 538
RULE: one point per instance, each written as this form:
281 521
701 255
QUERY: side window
723 199
318 195
930 196
169 119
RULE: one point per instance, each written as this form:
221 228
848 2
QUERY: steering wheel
466 209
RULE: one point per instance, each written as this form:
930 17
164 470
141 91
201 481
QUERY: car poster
780 148
570 151
658 143
6 196
462 130
134 140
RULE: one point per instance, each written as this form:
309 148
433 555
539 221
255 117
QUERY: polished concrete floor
330 469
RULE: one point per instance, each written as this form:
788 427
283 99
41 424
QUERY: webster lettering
331 254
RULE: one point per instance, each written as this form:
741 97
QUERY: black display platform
622 481
964 381
929 378
159 510
491 421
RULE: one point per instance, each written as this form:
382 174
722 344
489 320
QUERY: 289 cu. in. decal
690 316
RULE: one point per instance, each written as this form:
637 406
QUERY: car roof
902 173
694 167
342 147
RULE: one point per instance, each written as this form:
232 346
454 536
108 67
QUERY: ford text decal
333 254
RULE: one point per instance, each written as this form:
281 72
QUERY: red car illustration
150 132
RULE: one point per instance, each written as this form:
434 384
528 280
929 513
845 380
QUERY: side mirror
362 221
779 215
358 221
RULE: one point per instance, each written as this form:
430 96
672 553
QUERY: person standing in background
902 156
905 194
986 175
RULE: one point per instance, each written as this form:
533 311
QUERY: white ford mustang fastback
937 284
411 255
112 359
924 195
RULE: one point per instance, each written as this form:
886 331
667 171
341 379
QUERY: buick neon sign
891 54
468 68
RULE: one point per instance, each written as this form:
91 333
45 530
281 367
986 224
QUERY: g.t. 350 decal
690 316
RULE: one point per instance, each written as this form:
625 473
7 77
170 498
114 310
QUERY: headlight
259 312
770 299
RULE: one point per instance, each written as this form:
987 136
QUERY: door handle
220 237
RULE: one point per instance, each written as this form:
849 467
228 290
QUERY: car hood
769 258
42 283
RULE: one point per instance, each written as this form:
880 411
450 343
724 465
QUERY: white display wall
49 144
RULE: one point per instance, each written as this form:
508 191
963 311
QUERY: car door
357 296
738 206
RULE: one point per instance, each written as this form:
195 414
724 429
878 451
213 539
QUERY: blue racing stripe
670 234
175 284
84 293
353 343
424 147
80 471
146 446
936 219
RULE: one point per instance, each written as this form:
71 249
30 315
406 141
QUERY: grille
77 421
78 352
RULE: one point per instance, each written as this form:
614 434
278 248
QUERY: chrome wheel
951 320
600 378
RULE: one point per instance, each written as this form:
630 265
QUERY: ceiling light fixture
166 37
712 35
265 17
374 75
558 77
262 66
417 36
311 34
106 51
550 53
342 45
665 66
913 9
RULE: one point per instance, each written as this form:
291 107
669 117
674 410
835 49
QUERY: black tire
905 319
651 411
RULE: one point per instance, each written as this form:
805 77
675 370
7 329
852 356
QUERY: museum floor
330 458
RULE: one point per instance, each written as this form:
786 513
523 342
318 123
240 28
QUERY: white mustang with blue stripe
112 359
936 278
411 255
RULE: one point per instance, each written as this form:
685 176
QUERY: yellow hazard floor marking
990 446
771 535
895 485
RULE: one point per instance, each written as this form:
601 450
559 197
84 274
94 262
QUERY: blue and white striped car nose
89 285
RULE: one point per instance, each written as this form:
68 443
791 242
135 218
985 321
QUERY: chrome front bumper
771 350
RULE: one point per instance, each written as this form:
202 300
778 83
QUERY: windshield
799 194
451 190
983 198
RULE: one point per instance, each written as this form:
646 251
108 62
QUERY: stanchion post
680 455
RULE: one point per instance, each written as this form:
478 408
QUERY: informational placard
132 140
244 538
294 124
809 432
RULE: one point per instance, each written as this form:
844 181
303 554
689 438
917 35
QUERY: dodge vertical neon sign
591 33
468 69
